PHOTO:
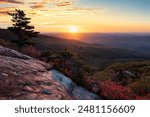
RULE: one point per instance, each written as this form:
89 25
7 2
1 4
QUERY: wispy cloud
59 7
4 11
65 3
46 13
12 1
37 5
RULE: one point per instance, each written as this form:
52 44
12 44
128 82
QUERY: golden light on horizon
74 29
71 16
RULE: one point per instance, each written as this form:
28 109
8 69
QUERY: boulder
23 77
128 74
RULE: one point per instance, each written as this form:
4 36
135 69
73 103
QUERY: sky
81 15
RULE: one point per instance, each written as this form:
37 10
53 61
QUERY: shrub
67 62
111 90
31 51
141 87
147 97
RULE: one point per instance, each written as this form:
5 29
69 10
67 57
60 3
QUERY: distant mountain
95 54
132 41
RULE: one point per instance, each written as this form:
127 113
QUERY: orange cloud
65 3
11 1
4 11
46 13
37 5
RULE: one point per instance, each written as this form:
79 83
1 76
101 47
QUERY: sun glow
73 29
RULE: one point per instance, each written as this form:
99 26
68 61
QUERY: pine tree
22 29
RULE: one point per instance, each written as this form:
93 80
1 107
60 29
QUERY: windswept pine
22 29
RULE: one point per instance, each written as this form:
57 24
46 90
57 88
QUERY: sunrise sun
73 29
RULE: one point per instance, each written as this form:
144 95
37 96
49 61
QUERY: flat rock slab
22 77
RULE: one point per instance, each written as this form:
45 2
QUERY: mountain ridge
94 54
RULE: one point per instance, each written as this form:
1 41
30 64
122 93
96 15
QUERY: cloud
47 8
4 11
65 3
80 9
11 1
37 5
48 3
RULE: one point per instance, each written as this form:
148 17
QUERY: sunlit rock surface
22 77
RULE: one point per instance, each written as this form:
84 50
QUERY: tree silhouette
22 29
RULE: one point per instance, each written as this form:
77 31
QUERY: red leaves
114 91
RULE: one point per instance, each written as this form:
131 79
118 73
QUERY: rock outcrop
22 77
76 91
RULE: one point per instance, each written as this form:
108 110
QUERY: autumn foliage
114 91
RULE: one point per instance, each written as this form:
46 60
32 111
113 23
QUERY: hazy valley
139 42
